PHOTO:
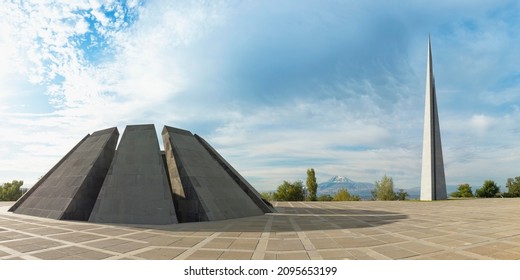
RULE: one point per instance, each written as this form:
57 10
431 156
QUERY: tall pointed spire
433 181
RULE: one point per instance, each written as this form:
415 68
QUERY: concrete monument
140 184
433 182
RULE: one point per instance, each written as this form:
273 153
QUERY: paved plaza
450 229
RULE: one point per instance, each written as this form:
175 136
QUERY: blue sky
275 86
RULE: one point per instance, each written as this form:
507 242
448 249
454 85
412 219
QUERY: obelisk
433 181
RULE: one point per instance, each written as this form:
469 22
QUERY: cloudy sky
275 86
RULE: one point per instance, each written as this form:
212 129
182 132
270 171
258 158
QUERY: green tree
267 196
384 189
489 189
344 195
401 195
325 197
11 191
464 190
290 192
312 186
513 186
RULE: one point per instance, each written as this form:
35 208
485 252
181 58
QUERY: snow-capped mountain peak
339 179
341 182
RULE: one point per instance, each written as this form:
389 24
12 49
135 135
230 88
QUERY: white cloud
481 123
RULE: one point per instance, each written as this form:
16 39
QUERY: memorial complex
137 183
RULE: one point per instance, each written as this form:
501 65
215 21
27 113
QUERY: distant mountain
364 190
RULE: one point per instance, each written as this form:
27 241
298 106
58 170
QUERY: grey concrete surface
241 182
136 189
70 189
44 177
433 181
473 229
203 190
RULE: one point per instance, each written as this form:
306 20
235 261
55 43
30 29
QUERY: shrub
290 192
464 190
325 197
344 195
384 189
489 189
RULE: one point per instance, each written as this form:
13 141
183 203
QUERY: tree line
11 191
489 189
383 190
295 191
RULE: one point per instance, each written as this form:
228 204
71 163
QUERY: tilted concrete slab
44 177
241 182
69 190
202 189
136 189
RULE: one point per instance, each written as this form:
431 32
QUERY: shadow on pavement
290 219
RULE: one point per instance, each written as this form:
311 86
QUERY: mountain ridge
334 184
363 189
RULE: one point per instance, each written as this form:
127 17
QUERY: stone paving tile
284 245
394 252
284 235
141 235
293 256
418 247
446 256
231 255
324 243
219 243
77 237
161 240
515 239
80 227
3 254
353 242
30 244
87 255
360 255
270 256
110 231
205 255
490 249
389 238
161 253
24 226
505 255
250 234
422 234
187 242
335 233
449 241
51 255
125 247
230 234
316 234
244 244
105 243
335 254
202 233
47 231
11 235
